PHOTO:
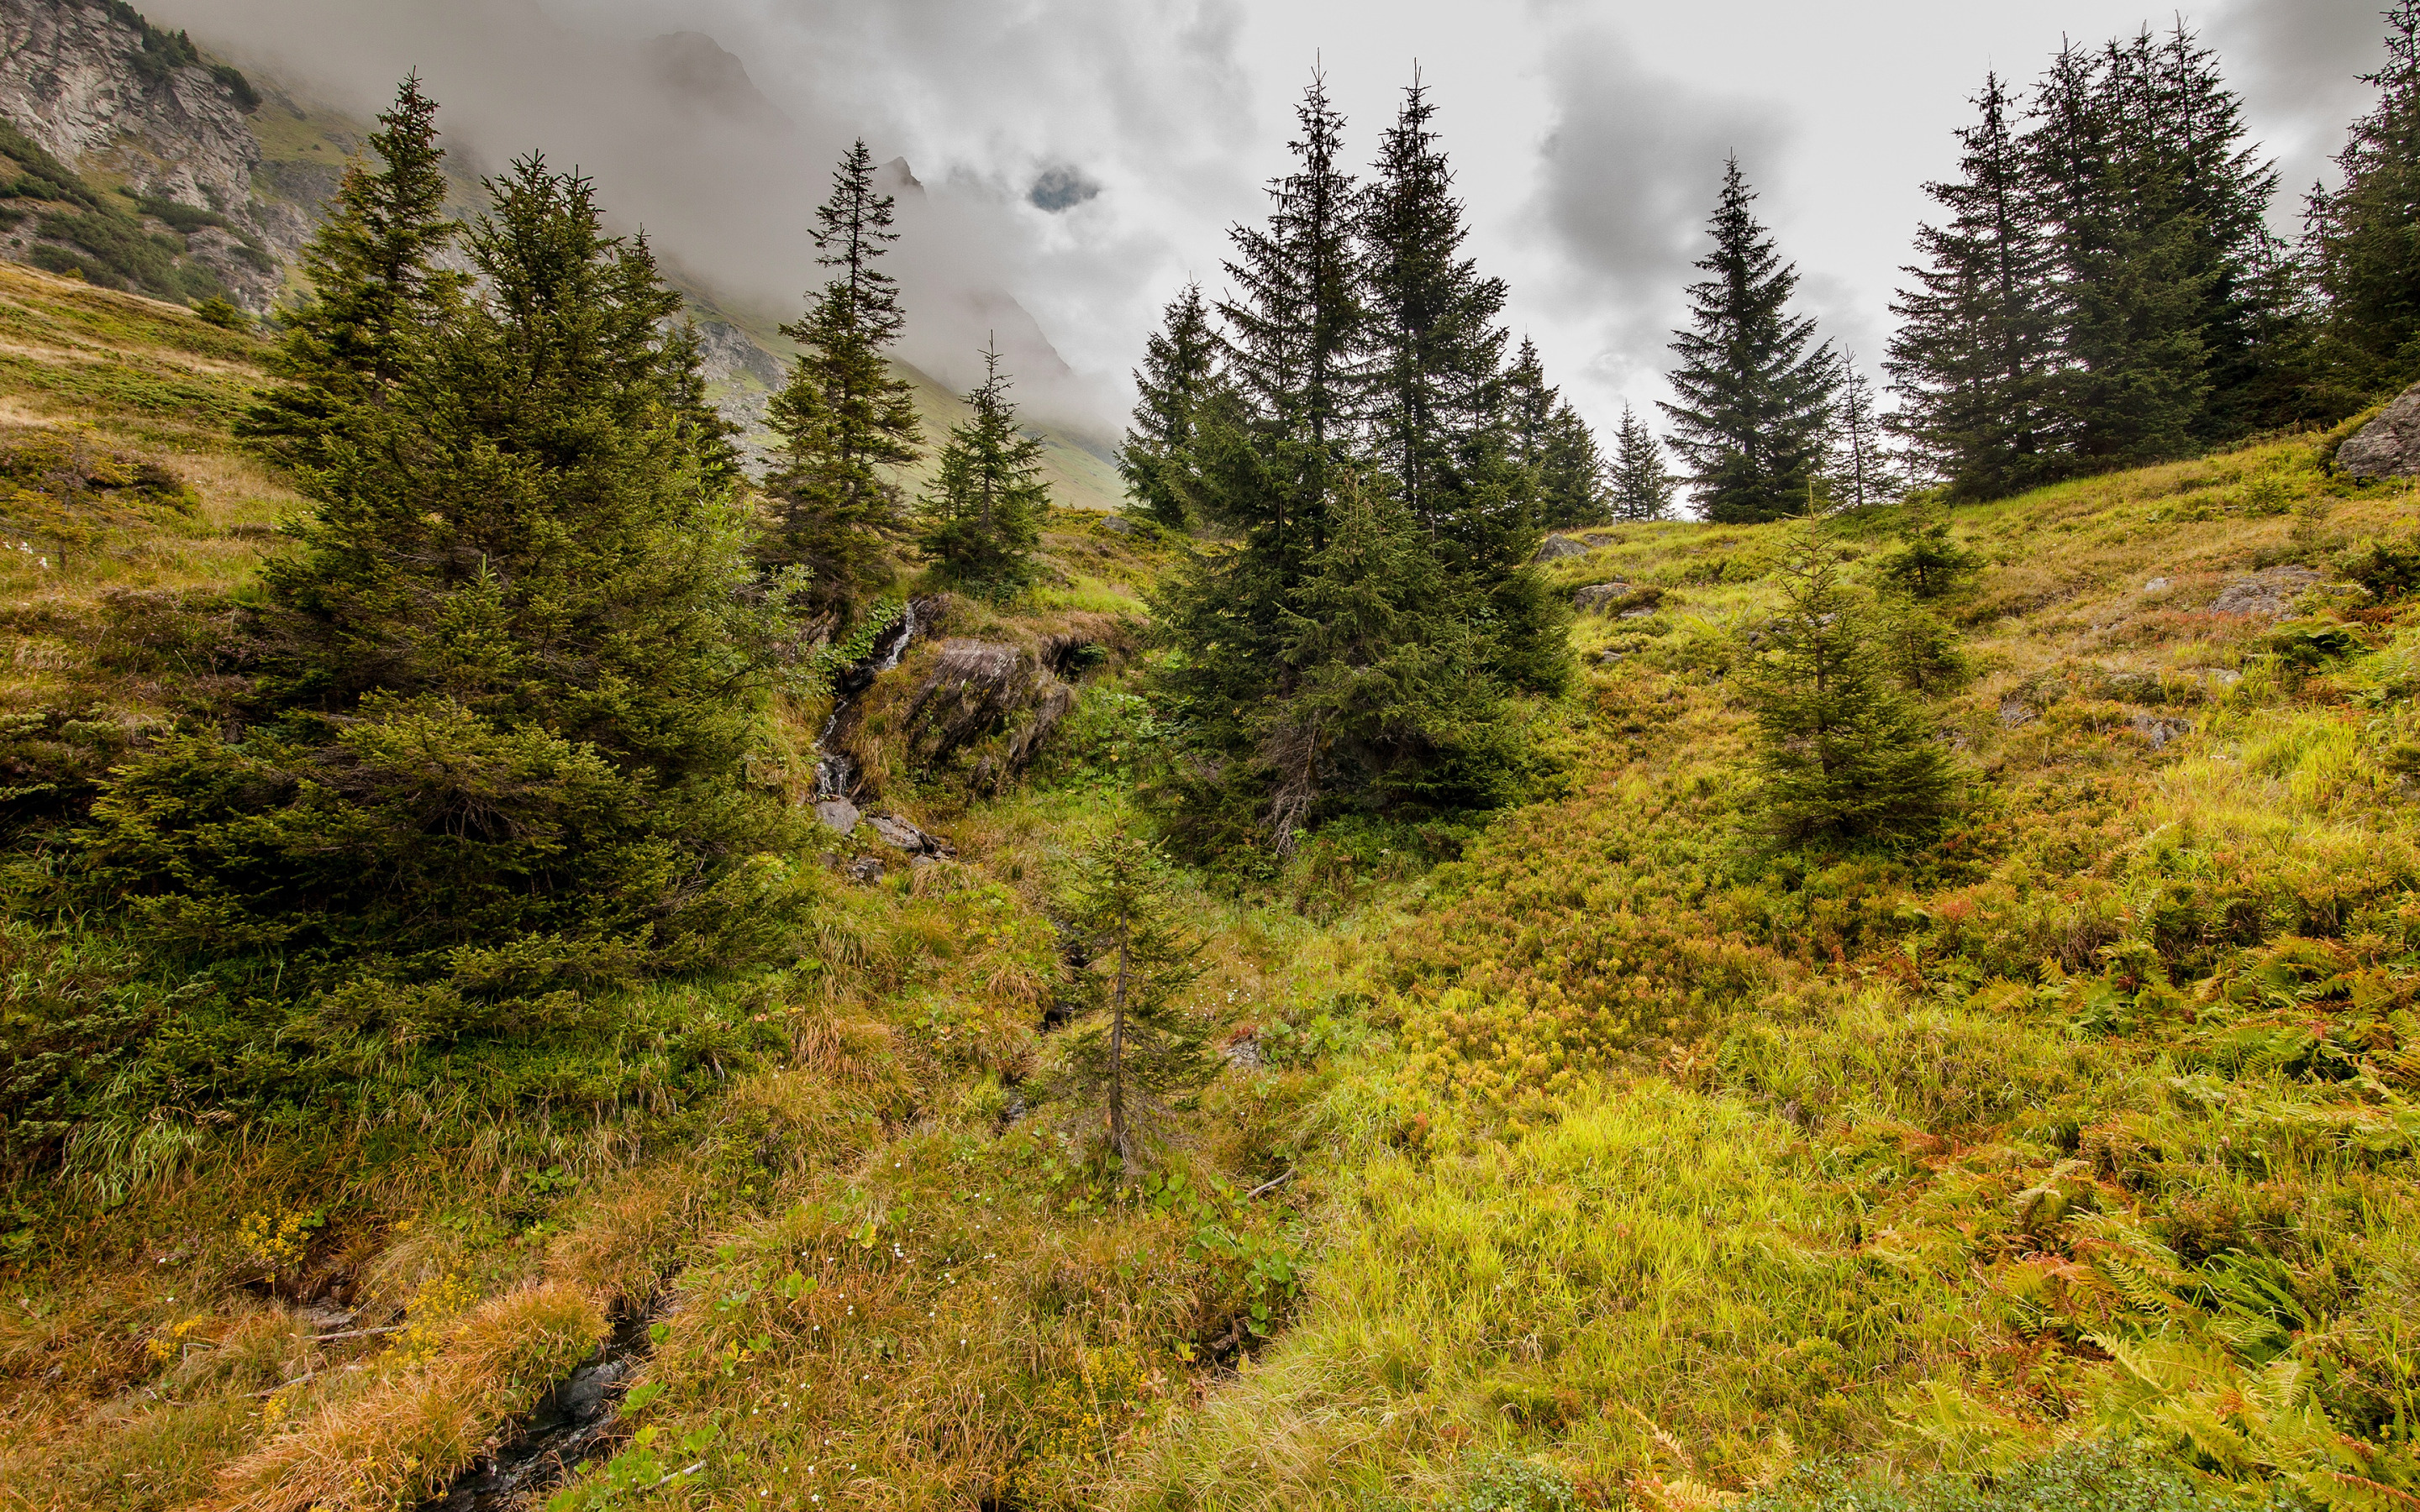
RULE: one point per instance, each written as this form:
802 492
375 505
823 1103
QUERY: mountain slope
1621 1159
174 174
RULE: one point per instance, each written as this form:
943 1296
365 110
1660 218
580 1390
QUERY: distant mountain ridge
139 161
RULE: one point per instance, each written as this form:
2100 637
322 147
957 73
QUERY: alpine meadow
613 897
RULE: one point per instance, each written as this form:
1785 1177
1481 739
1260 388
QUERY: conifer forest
611 901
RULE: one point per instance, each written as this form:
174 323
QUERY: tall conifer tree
844 416
1860 470
983 518
1754 398
2134 294
1643 488
1179 375
1287 421
375 291
1438 426
510 673
1572 486
2364 237
1528 406
1975 359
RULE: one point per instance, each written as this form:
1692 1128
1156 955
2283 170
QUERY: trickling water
835 774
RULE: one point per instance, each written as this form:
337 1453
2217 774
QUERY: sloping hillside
1608 1153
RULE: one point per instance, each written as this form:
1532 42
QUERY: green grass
1597 1154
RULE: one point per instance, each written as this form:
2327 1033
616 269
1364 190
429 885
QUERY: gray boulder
1556 548
838 815
2389 447
2268 595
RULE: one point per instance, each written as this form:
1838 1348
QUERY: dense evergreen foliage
505 673
1844 754
1642 488
1352 645
844 416
1179 376
2103 290
1973 358
2363 238
376 293
983 518
1754 397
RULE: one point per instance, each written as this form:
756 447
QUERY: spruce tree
1282 424
1393 707
1754 399
843 416
2133 289
1179 375
1860 470
2251 315
983 518
1842 752
1975 359
2363 240
1292 342
1642 488
1528 407
1930 562
1438 425
1571 488
374 293
1134 1045
510 677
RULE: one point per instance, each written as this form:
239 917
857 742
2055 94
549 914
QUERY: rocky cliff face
123 103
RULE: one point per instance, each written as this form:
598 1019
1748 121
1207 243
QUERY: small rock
1609 658
1635 613
2389 447
1597 595
2159 731
2268 593
1556 548
866 869
900 835
838 815
2220 676
2015 712
1119 525
1244 1051
2157 585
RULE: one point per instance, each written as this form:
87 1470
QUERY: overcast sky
1082 158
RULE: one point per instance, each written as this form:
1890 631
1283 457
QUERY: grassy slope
1620 1144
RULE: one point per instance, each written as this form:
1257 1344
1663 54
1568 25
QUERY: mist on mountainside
721 160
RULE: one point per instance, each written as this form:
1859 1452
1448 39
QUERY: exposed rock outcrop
1616 598
2388 446
1556 548
2268 593
101 93
988 694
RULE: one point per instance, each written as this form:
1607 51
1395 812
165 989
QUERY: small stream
835 773
569 1423
567 1426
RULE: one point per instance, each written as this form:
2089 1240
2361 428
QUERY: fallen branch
1274 1182
358 1334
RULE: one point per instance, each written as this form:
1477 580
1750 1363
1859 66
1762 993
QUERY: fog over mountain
1074 162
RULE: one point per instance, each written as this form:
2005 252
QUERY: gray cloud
2298 63
1059 188
714 124
1632 164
